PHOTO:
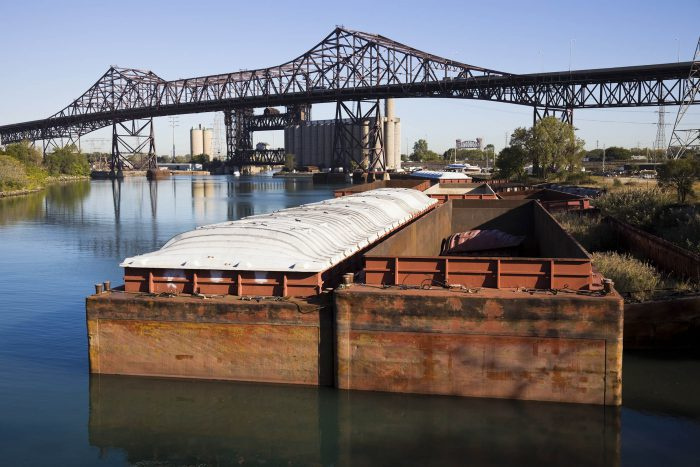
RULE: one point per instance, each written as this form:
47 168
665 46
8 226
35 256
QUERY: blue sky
53 51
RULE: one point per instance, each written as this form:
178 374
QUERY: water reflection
215 423
62 201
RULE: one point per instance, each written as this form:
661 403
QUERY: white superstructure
308 238
436 175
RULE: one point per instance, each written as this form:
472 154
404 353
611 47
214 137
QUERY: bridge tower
358 136
132 139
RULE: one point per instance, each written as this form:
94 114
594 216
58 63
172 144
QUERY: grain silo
196 141
207 139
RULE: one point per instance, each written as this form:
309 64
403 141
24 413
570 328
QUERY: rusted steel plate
530 368
265 353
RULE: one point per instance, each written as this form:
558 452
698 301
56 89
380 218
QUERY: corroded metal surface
223 338
492 343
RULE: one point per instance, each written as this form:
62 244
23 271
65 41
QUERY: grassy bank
24 170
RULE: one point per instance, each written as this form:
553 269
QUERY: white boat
236 173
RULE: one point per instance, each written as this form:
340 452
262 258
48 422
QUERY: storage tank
196 141
207 140
397 143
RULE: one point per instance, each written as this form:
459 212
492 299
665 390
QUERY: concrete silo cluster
201 141
312 143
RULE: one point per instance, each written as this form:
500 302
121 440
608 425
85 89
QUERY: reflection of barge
218 303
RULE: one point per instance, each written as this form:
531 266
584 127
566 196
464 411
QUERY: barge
381 290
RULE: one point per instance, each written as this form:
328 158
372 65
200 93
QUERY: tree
679 174
67 161
422 153
616 153
511 162
420 148
200 159
25 153
289 162
550 145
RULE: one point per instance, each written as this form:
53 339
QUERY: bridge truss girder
240 125
346 66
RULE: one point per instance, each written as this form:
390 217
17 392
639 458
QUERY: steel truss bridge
346 66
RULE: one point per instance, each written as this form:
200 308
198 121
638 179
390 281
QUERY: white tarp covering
435 175
309 238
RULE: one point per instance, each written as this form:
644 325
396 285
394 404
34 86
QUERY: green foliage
13 175
679 174
679 225
422 153
67 161
511 162
639 207
617 183
550 145
632 277
289 162
616 153
588 230
25 153
200 159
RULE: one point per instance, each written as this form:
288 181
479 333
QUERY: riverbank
52 180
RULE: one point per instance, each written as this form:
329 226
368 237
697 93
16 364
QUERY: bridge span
345 67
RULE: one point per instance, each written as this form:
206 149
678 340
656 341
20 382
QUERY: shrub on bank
67 161
13 176
639 207
631 276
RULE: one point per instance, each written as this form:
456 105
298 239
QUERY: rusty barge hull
495 343
271 341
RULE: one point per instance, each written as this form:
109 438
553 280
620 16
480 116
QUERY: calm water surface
55 245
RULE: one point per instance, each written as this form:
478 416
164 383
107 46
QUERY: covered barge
383 290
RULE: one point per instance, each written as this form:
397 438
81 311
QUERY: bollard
108 286
348 279
608 285
98 289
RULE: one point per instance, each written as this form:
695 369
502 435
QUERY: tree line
22 166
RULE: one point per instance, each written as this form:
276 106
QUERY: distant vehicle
648 174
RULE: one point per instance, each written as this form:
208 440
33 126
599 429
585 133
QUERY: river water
55 245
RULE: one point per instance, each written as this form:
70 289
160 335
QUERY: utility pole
174 123
603 158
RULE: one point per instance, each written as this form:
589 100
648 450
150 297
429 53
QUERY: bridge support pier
565 115
357 140
132 139
51 144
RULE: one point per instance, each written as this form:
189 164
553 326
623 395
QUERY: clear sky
53 51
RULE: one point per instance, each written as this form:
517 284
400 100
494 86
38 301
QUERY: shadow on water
218 423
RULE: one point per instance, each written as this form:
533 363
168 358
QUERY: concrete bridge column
389 156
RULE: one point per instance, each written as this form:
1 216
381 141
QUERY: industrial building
201 141
312 143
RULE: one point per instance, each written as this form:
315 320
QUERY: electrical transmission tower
684 138
218 140
660 142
